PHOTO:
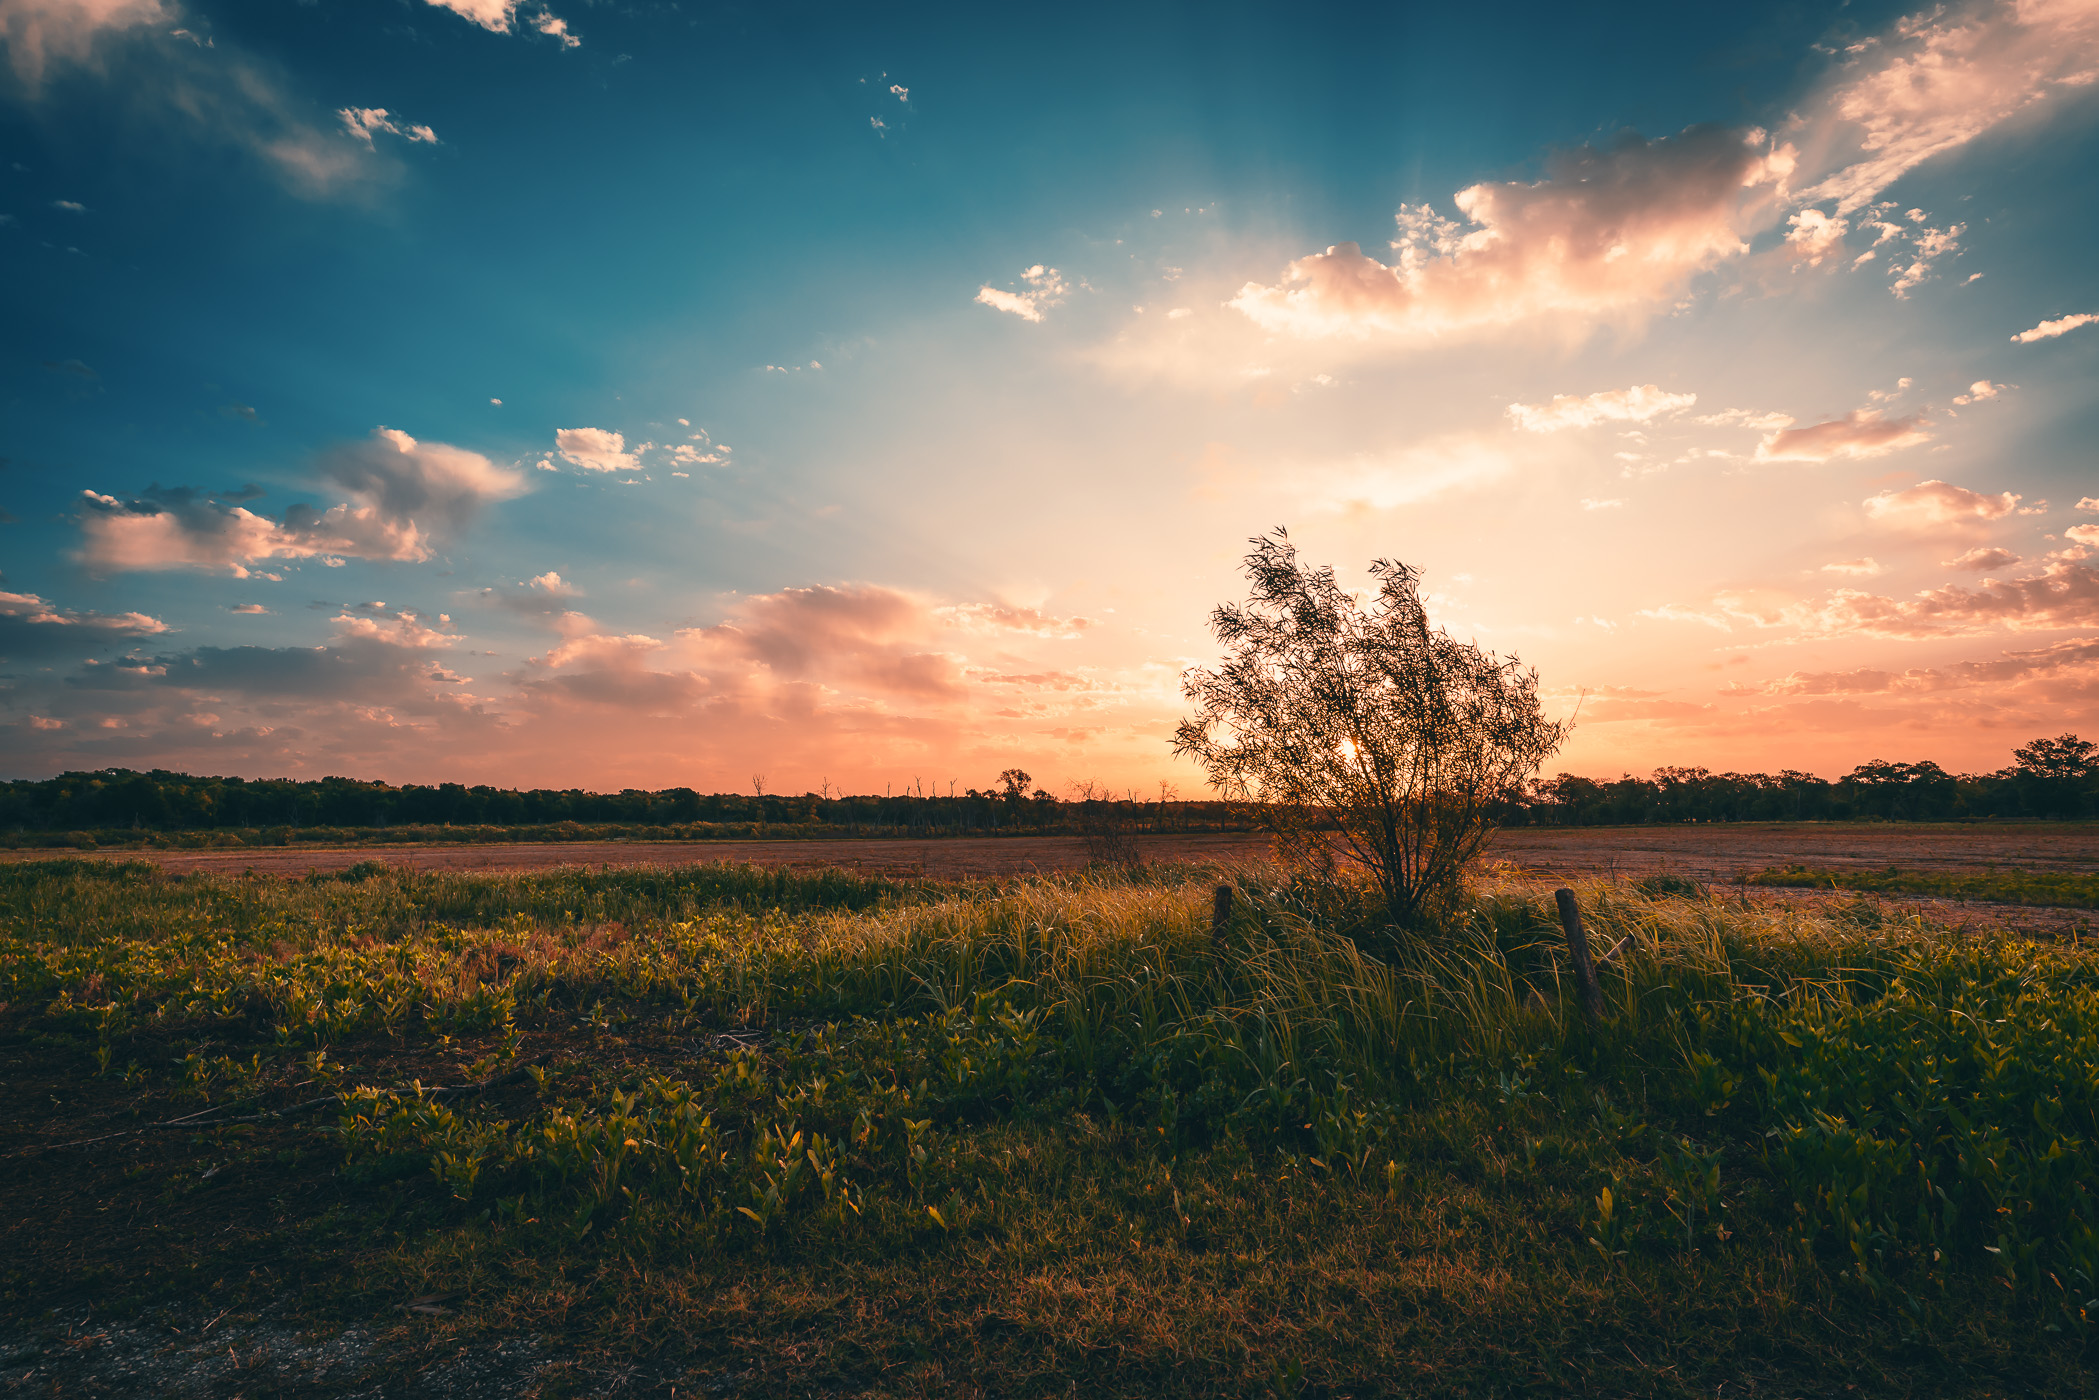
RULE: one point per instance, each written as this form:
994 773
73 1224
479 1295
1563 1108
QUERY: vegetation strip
2039 887
998 1134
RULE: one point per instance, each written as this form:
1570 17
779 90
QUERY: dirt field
1711 853
1704 852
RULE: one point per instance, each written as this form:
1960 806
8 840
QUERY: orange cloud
1861 433
1935 504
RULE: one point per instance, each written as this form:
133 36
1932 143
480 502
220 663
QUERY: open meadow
725 1129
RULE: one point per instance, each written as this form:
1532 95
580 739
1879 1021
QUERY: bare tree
1363 730
1105 826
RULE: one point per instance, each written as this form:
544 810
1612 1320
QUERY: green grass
899 1137
2057 888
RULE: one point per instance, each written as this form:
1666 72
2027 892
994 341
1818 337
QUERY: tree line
2052 779
120 799
2048 779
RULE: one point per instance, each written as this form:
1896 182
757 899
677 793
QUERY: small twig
1614 950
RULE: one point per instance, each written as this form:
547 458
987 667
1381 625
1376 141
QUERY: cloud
2088 503
871 637
2080 653
38 33
1812 236
998 617
1621 229
500 17
1933 504
2083 534
1861 433
1981 391
1383 481
31 628
1982 559
2049 330
361 122
2064 595
1932 83
1638 404
1609 230
1859 568
1046 288
247 608
159 80
407 497
557 29
400 630
595 450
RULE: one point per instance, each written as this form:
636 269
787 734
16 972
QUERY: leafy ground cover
2064 889
809 1132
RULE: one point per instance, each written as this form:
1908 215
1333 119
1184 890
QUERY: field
737 1130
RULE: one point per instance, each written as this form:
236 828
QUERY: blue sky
890 396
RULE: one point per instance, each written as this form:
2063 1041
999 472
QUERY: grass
2058 888
834 1133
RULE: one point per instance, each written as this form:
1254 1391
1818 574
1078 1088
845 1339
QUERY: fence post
1220 915
1578 945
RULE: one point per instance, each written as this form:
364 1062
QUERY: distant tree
1371 725
2052 774
1015 781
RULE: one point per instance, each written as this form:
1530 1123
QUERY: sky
608 394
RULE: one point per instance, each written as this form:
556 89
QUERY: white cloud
1046 288
1610 229
1591 504
361 122
1856 568
1981 391
1638 404
1813 235
1930 504
2083 534
2048 330
595 450
1862 433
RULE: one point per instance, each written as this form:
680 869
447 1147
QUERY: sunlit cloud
596 450
2049 330
361 122
1045 288
1862 433
1983 558
1638 404
407 497
1930 504
1932 83
1608 230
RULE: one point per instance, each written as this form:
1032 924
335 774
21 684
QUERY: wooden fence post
1220 915
1578 945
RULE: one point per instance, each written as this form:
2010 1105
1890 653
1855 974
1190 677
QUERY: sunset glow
568 395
